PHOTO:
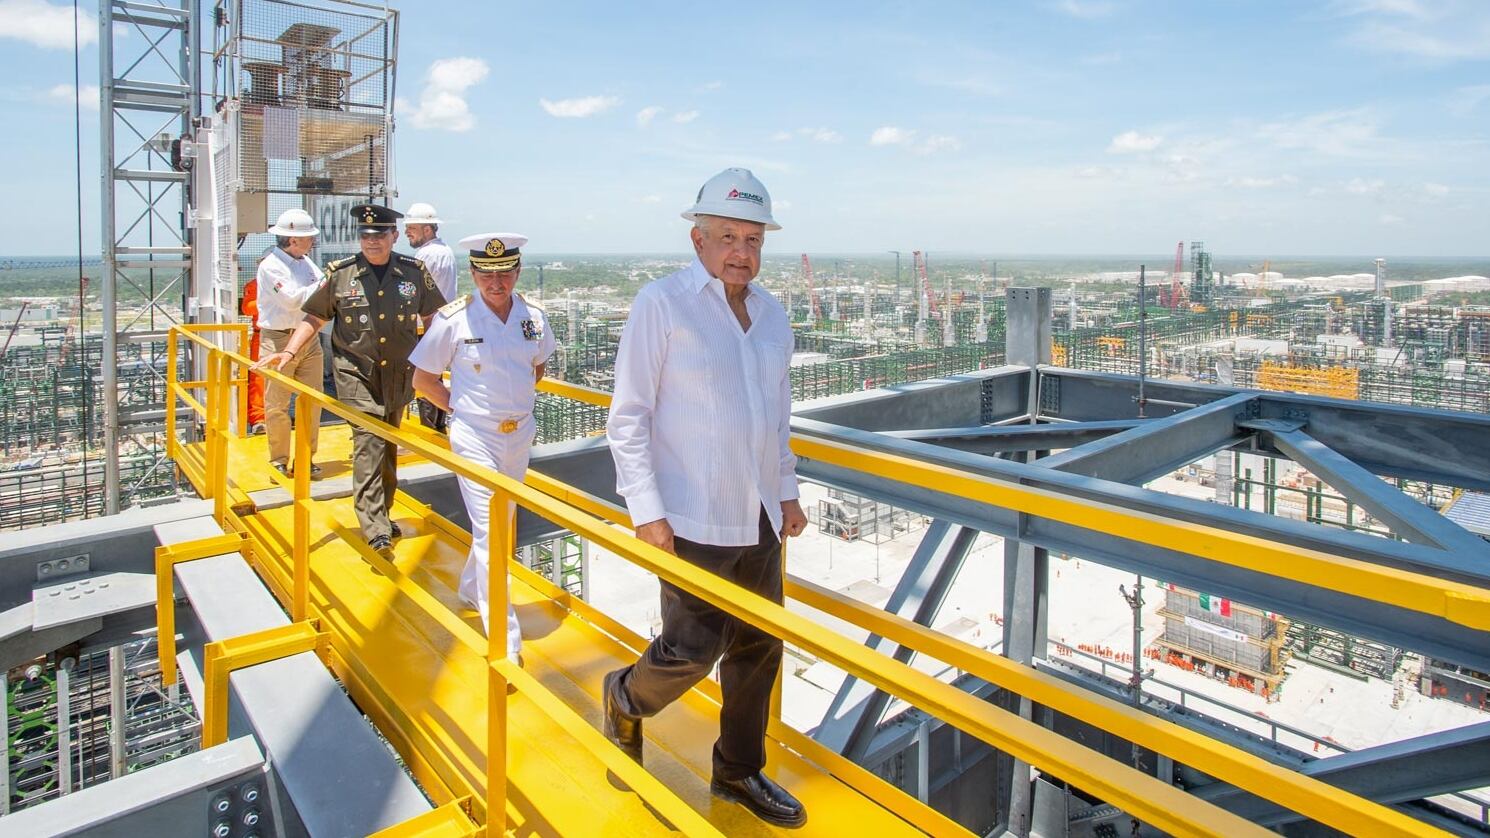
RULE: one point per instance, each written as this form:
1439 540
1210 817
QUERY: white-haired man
286 279
699 430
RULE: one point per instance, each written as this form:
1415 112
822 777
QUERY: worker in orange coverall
248 306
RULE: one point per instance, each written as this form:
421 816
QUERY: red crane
817 308
919 262
1175 295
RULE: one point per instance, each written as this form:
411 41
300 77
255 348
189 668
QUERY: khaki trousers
304 367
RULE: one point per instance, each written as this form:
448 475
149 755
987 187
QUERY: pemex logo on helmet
737 195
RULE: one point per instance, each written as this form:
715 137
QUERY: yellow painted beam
166 559
448 821
221 658
1321 801
1455 601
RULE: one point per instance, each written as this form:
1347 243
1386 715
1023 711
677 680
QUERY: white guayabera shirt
700 420
439 260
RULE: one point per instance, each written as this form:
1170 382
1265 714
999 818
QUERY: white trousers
507 453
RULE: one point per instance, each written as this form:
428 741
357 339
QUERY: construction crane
919 260
1172 297
817 308
25 304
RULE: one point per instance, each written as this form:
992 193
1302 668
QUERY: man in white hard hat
699 430
495 345
422 228
286 279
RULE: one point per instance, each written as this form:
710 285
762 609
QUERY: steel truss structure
149 88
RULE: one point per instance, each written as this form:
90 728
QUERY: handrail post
242 384
501 545
220 436
172 374
300 550
209 448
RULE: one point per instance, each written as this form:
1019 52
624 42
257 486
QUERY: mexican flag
1215 604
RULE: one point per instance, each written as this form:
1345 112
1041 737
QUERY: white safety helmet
421 214
734 193
294 222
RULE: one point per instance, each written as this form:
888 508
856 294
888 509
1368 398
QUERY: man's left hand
793 519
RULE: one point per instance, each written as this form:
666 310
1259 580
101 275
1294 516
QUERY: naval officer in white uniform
495 344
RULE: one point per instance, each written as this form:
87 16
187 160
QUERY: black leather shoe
766 800
381 543
624 730
396 531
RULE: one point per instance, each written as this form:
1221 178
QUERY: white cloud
1445 31
1436 190
1102 58
939 142
1389 219
1261 182
1359 186
1132 142
88 95
781 136
44 25
1464 100
442 103
1097 172
651 199
1086 9
645 116
890 135
685 117
708 87
580 107
1344 133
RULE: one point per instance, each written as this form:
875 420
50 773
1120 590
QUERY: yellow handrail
1146 797
1305 795
1455 601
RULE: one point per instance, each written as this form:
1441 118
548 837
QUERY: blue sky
1344 127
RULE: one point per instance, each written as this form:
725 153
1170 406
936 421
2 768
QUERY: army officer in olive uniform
495 345
376 301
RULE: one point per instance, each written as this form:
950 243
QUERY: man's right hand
658 533
277 360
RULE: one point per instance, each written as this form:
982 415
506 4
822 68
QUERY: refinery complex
1096 547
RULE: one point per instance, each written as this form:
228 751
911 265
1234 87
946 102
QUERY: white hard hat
734 193
421 214
294 222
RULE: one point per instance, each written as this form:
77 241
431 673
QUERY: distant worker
495 345
699 429
377 300
248 306
286 279
421 225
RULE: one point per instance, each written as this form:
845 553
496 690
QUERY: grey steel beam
1440 446
999 439
1368 618
1398 772
340 778
850 722
1157 447
172 798
957 401
1404 515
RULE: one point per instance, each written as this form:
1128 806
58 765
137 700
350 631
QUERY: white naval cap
494 251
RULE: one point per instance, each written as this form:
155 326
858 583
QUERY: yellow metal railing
1298 792
1147 798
